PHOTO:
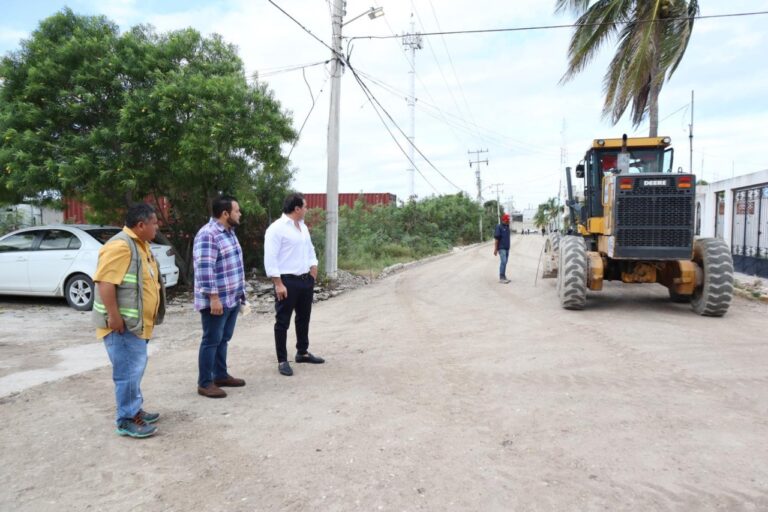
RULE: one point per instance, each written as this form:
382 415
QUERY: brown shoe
230 381
211 391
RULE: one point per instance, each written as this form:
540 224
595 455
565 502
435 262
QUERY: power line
338 55
372 98
571 25
314 102
423 85
437 61
453 68
462 123
285 69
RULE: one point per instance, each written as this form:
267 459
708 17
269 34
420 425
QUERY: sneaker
148 417
135 427
504 280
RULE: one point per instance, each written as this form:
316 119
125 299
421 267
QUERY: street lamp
332 184
373 13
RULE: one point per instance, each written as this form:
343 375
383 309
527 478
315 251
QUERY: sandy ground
443 390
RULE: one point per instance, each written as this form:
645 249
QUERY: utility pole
690 139
412 41
479 183
498 186
332 184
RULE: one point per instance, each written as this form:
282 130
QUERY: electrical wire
314 102
362 84
336 53
570 25
461 123
286 69
453 68
418 77
367 95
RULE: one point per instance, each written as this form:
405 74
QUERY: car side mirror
580 171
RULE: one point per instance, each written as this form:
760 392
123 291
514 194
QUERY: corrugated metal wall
318 200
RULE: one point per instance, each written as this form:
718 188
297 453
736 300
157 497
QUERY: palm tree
652 38
546 213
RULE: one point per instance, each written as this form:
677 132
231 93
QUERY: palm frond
594 28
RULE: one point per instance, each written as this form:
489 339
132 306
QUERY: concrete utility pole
479 183
332 184
498 186
690 140
412 41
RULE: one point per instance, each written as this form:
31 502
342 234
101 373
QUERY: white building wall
706 196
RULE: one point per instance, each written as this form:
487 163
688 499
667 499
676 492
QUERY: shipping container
317 200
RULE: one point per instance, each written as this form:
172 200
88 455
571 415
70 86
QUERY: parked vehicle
60 261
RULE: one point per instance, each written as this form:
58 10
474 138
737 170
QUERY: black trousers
300 292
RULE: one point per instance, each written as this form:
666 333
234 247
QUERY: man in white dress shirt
290 260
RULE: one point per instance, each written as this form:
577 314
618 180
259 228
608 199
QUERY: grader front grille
654 218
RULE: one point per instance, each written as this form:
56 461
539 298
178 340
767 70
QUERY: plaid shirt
218 262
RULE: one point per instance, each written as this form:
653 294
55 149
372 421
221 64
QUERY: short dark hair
222 204
139 212
293 201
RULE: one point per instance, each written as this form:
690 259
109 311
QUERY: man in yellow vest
129 302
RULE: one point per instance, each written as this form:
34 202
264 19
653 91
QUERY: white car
60 260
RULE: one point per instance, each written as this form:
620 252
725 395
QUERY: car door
15 251
48 265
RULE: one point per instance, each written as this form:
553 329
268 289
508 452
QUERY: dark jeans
217 331
299 299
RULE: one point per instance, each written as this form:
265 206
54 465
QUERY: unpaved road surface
443 390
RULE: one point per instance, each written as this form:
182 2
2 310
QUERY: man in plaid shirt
219 291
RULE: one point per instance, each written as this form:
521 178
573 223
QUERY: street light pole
332 184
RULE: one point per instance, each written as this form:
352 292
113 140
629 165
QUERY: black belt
300 276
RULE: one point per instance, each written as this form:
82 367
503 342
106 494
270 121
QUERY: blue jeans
128 354
217 331
503 257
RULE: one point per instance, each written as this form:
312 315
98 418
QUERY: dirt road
443 390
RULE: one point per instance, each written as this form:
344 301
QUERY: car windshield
102 234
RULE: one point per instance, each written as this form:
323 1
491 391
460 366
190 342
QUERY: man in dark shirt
501 247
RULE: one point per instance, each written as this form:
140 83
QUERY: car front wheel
79 292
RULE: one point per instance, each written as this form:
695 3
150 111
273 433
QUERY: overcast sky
494 91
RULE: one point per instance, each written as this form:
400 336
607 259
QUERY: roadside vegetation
374 237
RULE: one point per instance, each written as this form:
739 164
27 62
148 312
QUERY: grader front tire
572 273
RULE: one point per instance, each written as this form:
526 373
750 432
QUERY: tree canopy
113 118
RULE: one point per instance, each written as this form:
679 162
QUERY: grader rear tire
714 295
572 273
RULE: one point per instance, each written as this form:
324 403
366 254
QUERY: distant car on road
60 261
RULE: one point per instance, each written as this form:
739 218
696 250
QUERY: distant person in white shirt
290 260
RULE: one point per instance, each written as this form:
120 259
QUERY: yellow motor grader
635 224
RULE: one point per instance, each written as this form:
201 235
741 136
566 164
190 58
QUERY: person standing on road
128 304
219 291
290 260
501 246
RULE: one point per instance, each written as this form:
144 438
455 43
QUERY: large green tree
652 36
60 101
111 119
